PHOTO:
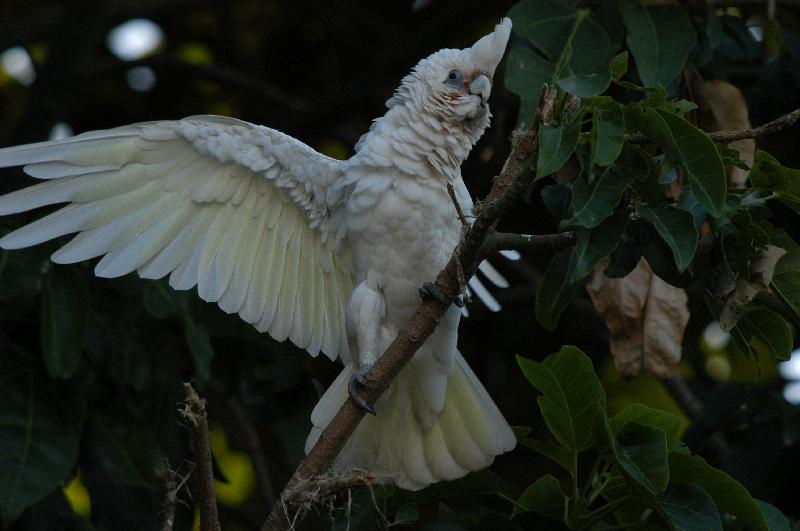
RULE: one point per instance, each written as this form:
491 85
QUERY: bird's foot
358 380
429 290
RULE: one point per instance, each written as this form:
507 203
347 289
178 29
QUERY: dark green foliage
637 461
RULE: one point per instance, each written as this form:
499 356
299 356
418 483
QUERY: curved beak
481 86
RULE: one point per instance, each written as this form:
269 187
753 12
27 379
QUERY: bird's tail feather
393 445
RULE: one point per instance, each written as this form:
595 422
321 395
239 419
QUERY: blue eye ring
454 77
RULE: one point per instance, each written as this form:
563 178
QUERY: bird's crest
489 50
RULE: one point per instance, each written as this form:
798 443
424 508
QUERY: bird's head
454 85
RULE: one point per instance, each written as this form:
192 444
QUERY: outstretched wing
244 212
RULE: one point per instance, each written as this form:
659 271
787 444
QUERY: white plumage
326 253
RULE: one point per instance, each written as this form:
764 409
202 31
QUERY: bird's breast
402 232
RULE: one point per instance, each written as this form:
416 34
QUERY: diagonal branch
507 188
775 126
194 411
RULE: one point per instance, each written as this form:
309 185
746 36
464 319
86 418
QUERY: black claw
357 380
429 290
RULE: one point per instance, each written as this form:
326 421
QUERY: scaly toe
429 290
358 380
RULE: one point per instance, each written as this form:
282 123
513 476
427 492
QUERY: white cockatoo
327 253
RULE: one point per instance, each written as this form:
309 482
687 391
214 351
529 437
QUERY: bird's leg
366 312
429 290
358 381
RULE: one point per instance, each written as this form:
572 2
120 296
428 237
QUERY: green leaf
642 460
558 454
768 174
646 448
550 32
543 496
128 452
556 144
608 132
692 148
161 301
572 396
624 258
592 203
619 65
556 198
661 258
555 291
526 72
23 272
728 494
64 316
763 332
776 520
676 228
786 278
595 244
689 508
585 85
40 430
647 416
660 38
407 514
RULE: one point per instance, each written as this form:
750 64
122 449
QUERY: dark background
319 71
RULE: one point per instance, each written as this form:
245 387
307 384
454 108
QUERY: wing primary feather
275 273
242 281
287 296
74 218
258 301
95 242
181 247
143 247
227 254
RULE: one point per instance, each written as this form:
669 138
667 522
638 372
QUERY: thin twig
194 411
679 389
170 496
723 137
462 281
312 489
461 217
506 190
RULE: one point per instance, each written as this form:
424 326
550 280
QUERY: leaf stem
595 515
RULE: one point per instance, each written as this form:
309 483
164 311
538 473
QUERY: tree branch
769 128
507 188
502 241
195 412
170 497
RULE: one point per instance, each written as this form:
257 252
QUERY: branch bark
723 137
194 411
170 497
501 241
507 188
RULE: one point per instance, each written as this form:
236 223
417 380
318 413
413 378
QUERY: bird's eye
454 78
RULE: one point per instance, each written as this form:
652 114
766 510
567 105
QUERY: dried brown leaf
646 319
722 108
761 271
